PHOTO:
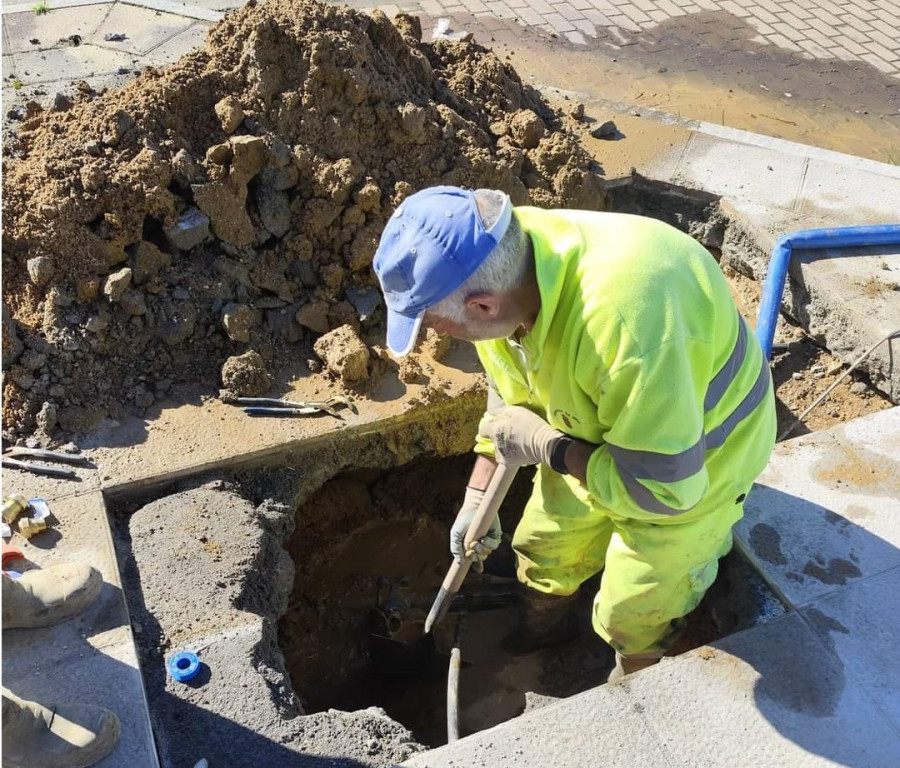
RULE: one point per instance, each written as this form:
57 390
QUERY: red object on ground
11 553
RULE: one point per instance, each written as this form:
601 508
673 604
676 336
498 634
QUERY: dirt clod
344 354
261 168
246 375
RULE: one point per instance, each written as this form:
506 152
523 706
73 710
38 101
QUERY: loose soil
234 200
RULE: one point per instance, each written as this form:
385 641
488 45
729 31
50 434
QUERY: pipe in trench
809 239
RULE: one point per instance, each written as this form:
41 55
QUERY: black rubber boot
545 621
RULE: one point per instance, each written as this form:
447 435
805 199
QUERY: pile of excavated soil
234 200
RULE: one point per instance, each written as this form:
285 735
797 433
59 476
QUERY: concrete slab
50 28
740 172
849 299
80 535
9 66
599 727
27 483
188 10
748 702
178 45
875 441
818 518
109 678
73 63
144 28
66 661
861 625
828 187
211 434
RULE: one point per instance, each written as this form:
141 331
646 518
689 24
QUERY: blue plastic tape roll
184 666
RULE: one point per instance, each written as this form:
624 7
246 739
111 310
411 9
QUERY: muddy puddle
365 578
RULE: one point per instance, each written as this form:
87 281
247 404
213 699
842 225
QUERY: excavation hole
371 551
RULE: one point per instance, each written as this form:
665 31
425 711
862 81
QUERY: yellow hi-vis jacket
638 347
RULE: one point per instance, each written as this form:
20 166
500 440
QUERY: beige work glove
484 546
520 436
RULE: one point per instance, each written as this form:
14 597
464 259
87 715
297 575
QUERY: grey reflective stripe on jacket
671 468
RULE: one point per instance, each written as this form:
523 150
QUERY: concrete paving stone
875 194
625 25
747 702
51 488
861 624
753 173
188 10
847 298
80 534
182 43
145 29
9 68
568 11
110 678
875 440
571 733
818 519
51 27
636 15
73 63
880 64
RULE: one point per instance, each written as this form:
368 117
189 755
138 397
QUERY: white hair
503 270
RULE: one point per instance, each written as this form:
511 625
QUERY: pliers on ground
9 459
273 406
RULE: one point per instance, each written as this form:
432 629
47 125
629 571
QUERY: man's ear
483 306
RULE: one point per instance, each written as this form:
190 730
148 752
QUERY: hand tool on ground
493 498
11 458
273 406
39 469
39 453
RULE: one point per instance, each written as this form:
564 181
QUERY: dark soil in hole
370 552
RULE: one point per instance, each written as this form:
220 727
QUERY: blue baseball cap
431 245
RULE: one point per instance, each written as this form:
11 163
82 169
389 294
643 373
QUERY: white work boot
58 736
40 598
634 662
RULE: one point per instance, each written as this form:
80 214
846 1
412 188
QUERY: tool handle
37 453
258 410
493 498
39 469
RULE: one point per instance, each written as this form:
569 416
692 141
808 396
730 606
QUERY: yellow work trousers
653 573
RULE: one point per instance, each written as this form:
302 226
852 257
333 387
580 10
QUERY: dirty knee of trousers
545 621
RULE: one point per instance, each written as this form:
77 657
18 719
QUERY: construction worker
55 735
616 362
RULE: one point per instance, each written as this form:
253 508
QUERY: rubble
256 171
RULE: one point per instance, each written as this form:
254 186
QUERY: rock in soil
246 375
344 354
342 116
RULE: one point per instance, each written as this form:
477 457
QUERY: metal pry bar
273 406
39 453
39 469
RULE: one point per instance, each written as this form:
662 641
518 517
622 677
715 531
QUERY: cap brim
402 332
